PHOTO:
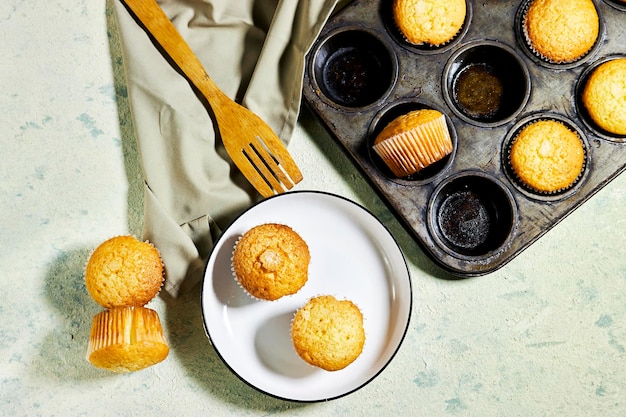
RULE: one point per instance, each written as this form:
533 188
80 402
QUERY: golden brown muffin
561 31
604 96
433 22
270 261
547 156
328 333
126 339
124 272
413 141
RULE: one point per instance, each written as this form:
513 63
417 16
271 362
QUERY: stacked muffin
122 275
271 261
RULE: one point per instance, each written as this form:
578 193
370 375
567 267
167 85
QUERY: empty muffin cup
581 109
486 83
471 214
618 4
388 114
353 68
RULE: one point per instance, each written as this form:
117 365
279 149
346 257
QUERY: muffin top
270 261
547 156
561 31
432 22
604 96
328 333
124 272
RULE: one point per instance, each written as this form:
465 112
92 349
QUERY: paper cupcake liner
538 54
417 148
164 273
520 182
126 339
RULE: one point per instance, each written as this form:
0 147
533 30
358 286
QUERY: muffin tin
467 211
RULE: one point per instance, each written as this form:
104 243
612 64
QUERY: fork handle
165 33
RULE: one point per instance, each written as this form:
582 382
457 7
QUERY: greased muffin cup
486 81
270 261
353 68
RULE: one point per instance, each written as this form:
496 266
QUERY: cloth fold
255 52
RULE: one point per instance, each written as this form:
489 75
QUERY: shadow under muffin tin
467 211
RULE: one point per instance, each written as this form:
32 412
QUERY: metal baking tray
467 211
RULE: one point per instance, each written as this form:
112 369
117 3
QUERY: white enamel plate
353 256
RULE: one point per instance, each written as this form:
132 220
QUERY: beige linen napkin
254 50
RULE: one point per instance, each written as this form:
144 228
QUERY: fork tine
270 161
279 153
249 170
262 169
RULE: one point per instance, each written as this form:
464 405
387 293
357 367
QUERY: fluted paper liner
126 339
409 152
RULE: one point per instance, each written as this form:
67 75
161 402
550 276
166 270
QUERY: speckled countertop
543 336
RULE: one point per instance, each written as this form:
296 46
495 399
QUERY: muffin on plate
124 272
547 156
271 261
431 22
126 339
414 141
561 31
328 333
604 96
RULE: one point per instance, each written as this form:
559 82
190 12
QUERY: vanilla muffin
604 96
328 333
126 339
413 141
432 22
547 156
124 272
561 31
271 261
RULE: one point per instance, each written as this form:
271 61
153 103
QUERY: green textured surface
543 336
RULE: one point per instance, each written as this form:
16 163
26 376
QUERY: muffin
124 272
604 96
431 22
126 339
328 333
413 141
547 156
271 261
561 31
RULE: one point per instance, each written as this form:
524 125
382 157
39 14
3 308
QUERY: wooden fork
251 144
